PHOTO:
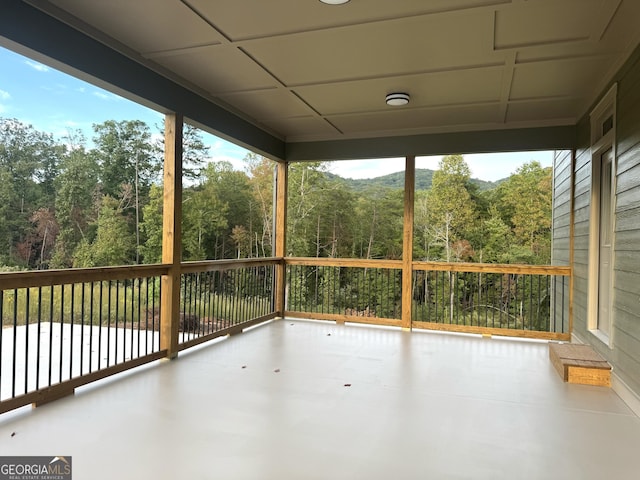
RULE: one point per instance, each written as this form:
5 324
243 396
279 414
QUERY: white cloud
37 66
367 168
109 97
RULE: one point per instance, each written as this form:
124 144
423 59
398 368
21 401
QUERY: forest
72 202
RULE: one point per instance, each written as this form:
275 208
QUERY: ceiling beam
522 139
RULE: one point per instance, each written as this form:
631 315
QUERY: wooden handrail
434 266
41 278
493 268
217 265
343 262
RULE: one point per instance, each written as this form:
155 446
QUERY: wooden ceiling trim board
133 24
542 43
489 6
426 108
608 11
333 125
507 82
205 19
279 82
179 51
559 58
391 76
316 112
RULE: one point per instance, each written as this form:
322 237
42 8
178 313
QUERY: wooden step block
580 364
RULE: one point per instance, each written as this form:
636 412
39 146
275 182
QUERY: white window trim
599 145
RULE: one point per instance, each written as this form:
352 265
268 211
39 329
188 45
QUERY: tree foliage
71 203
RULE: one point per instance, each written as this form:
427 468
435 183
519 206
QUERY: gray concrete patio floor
313 400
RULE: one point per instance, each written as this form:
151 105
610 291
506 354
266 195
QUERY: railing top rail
343 262
494 268
216 265
437 266
41 278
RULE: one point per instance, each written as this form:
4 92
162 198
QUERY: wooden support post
281 235
407 241
171 234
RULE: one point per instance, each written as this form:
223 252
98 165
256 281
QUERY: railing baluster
15 339
91 326
117 321
82 299
72 319
26 339
61 352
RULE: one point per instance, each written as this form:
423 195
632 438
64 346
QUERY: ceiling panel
546 22
417 120
306 70
381 49
528 111
558 78
302 127
268 104
218 69
277 17
622 32
446 88
144 25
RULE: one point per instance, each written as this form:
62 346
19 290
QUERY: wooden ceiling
305 71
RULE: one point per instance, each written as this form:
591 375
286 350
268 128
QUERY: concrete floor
272 403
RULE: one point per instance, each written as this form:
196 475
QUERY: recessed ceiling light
397 99
334 2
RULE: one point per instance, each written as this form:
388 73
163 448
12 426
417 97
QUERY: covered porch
300 399
273 377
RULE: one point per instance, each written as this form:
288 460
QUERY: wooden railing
62 329
516 300
65 328
224 297
363 291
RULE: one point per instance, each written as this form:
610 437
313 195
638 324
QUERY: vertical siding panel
560 237
624 353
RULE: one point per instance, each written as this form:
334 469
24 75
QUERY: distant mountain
424 177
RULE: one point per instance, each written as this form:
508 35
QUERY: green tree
451 212
526 196
231 188
307 182
261 176
378 231
335 222
151 249
114 244
28 166
75 186
204 217
126 156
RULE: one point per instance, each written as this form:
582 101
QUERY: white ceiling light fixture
335 2
397 99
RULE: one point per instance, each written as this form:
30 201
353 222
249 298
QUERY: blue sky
57 103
